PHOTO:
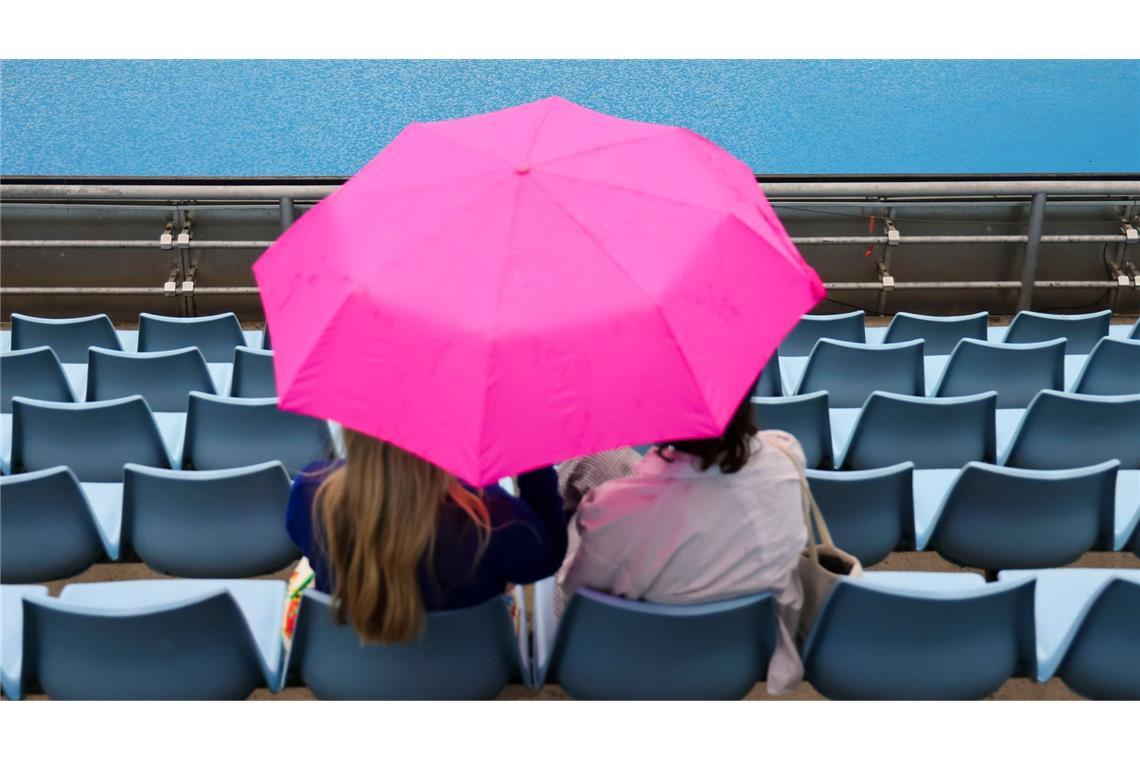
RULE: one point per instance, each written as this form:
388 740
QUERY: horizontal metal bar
100 291
826 240
883 189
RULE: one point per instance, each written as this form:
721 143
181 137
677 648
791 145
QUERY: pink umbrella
511 289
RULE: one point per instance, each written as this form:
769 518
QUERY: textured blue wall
781 117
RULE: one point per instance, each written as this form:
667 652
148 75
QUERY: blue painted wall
782 117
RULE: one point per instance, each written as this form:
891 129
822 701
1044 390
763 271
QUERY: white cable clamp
1130 233
892 233
166 240
169 288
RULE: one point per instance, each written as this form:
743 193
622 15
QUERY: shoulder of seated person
784 439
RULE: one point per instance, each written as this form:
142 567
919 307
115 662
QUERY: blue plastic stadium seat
163 378
48 529
1061 430
770 383
913 639
12 635
1088 629
162 639
212 524
1017 371
1081 330
1000 517
869 513
233 432
850 372
469 653
266 343
95 439
611 648
1112 369
1134 334
847 327
215 336
805 417
69 338
930 432
32 373
253 374
941 334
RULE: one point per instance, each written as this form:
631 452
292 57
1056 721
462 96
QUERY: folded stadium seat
869 513
156 639
929 432
12 635
32 373
1081 330
69 338
895 635
1112 369
1016 371
266 343
850 372
1088 629
253 374
846 327
610 648
224 432
95 439
940 333
999 518
1062 430
1135 332
805 417
770 382
210 524
469 653
215 336
49 529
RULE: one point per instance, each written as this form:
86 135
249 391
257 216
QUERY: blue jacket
527 541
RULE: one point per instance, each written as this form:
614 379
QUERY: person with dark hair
697 521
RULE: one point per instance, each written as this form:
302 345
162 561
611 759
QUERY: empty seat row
96 439
1016 371
1057 431
215 336
163 378
215 524
883 636
942 334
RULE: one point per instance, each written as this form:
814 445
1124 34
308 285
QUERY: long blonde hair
378 516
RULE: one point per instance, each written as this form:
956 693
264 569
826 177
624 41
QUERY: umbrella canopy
504 291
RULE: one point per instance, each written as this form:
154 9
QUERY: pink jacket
674 534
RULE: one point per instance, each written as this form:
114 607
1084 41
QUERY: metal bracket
170 287
188 283
1131 235
886 277
892 233
166 239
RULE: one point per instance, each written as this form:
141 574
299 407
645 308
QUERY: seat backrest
1006 518
195 649
770 382
801 340
851 372
1017 371
874 643
1112 369
211 524
930 432
95 439
47 530
806 417
253 374
266 343
1061 430
469 653
233 432
32 373
1134 333
1103 660
610 648
69 338
869 513
215 336
941 334
163 378
1081 330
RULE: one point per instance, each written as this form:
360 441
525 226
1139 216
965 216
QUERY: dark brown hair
730 450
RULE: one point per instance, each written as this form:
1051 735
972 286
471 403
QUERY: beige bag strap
812 513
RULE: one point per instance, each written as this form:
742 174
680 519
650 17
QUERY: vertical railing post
287 215
1029 263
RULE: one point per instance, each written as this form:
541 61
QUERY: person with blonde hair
391 536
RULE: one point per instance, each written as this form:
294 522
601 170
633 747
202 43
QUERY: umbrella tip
522 169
